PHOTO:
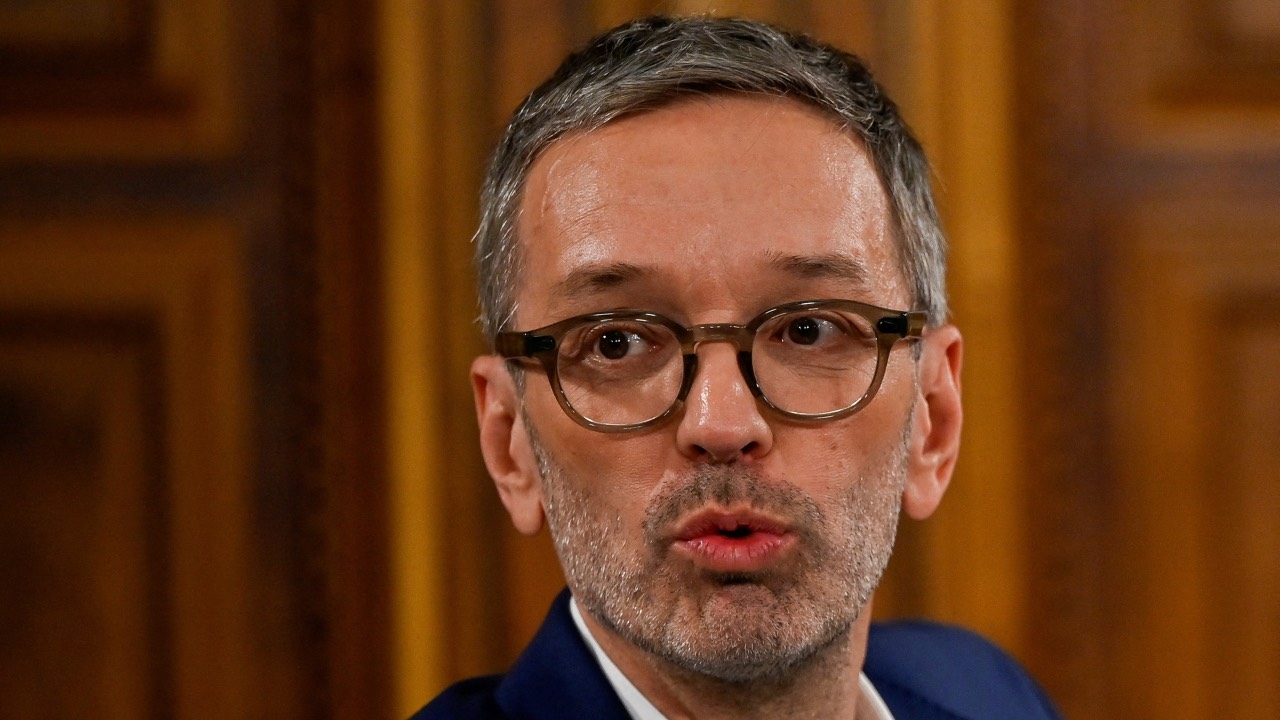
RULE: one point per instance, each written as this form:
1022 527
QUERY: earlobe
504 442
935 434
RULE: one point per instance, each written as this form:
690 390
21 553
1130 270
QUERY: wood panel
1188 76
190 339
1194 585
330 308
83 560
125 383
124 79
1149 176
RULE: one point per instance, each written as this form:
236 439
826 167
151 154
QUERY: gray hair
650 63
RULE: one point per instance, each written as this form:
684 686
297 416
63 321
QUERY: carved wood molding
155 310
119 80
1187 76
1113 158
1192 576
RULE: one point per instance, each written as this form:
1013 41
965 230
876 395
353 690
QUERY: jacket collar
557 677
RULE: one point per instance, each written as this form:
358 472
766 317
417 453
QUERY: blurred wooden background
237 463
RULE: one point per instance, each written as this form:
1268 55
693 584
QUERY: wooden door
1149 144
191 523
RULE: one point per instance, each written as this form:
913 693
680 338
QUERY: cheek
540 405
619 472
822 460
890 408
828 460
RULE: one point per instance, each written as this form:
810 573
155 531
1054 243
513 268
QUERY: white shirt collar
870 705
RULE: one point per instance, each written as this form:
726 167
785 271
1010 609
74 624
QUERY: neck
823 686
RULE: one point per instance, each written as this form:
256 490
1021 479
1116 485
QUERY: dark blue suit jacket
924 671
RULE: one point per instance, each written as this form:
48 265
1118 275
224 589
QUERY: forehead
712 198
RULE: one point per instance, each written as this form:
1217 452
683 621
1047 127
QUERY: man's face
728 540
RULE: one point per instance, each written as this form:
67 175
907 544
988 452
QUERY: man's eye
615 344
810 330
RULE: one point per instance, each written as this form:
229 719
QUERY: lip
733 541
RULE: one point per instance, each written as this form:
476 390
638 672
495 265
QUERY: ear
935 432
504 442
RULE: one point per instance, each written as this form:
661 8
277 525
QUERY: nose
722 422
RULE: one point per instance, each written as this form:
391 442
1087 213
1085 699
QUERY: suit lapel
557 677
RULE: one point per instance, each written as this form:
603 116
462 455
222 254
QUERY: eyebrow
828 266
596 278
599 277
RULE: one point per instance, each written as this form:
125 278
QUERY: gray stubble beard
749 629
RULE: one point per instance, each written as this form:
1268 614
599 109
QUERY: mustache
730 486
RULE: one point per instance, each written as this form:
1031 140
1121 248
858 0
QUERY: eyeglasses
625 370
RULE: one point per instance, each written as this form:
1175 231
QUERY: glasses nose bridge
737 335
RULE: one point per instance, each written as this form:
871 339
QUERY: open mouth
733 541
728 524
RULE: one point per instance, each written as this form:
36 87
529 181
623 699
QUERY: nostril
732 455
